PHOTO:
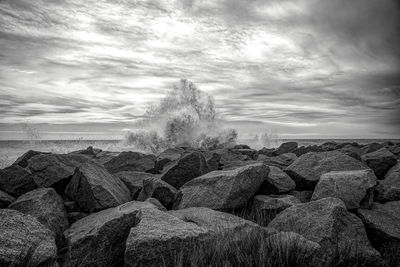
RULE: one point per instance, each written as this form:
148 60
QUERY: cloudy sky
301 68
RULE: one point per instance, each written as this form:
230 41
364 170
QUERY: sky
299 68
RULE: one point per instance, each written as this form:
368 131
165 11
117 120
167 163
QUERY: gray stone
23 160
5 199
303 196
131 161
286 148
388 189
281 161
16 180
75 216
157 188
266 208
167 156
380 161
134 181
277 182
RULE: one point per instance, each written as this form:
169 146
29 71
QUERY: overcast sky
301 68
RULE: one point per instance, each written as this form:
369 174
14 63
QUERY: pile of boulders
101 208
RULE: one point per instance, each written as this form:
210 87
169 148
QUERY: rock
99 239
328 223
5 199
105 156
134 181
16 180
368 148
47 207
156 203
24 241
303 196
94 189
269 152
222 190
131 161
354 188
395 149
382 223
188 167
241 146
157 188
89 151
75 216
286 148
266 208
307 169
388 189
380 161
159 237
213 160
306 149
228 155
167 156
237 164
250 153
23 160
281 161
351 151
71 206
277 182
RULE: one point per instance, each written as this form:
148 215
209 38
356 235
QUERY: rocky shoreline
327 205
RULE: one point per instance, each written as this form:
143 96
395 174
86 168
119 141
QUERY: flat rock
99 239
94 189
134 181
388 189
223 189
266 208
277 182
16 180
188 167
156 188
131 161
328 223
354 188
308 168
47 207
5 199
380 161
24 241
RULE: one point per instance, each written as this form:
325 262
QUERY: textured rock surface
133 181
23 160
5 199
188 167
328 223
94 189
213 160
281 161
223 189
16 180
99 239
24 241
307 169
47 207
167 156
286 148
277 182
131 161
158 189
388 189
354 188
303 196
267 207
380 161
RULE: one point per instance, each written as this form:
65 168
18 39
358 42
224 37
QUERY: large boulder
277 182
306 149
5 199
228 155
351 151
354 188
23 160
222 190
167 156
282 161
308 168
388 189
213 160
286 148
303 196
250 153
380 161
133 181
131 161
47 207
94 189
16 180
368 148
188 167
24 241
99 239
327 222
382 223
158 189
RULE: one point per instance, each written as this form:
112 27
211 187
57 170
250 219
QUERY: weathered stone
269 152
328 223
282 161
306 149
308 168
24 241
167 156
380 161
134 181
89 151
156 203
47 207
16 180
237 164
277 182
5 199
131 161
241 146
303 196
354 188
227 155
388 189
351 151
368 148
188 167
213 160
157 188
250 153
99 239
75 216
23 160
286 148
105 156
266 208
94 189
223 189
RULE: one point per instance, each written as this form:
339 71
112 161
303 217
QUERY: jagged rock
395 149
157 188
250 153
266 208
354 188
241 146
131 161
303 196
134 181
388 189
47 207
382 223
213 160
16 180
23 160
380 161
99 239
306 149
307 169
228 155
167 156
5 199
223 189
188 167
286 148
281 161
156 203
75 216
269 152
351 151
94 189
237 164
105 156
71 206
368 148
277 182
328 223
89 151
24 241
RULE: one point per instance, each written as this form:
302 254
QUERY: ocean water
11 150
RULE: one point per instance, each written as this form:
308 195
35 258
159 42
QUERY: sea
11 150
